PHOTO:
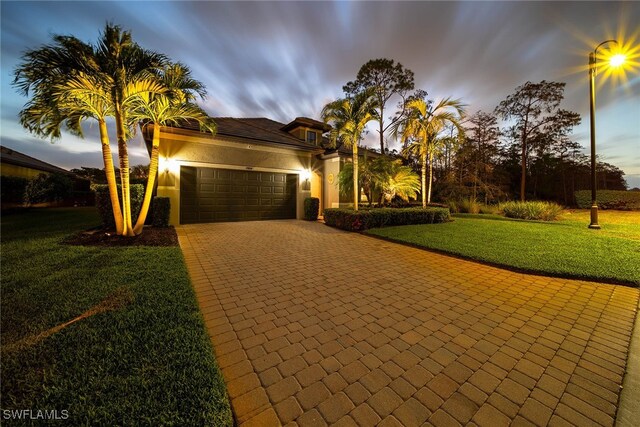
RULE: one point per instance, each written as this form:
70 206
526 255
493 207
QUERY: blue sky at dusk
286 59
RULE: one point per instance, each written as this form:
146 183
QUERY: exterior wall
20 171
331 188
301 133
200 151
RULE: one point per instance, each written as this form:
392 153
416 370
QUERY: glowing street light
614 61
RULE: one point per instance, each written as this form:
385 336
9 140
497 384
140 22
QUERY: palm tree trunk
430 176
424 179
111 176
123 154
151 180
356 188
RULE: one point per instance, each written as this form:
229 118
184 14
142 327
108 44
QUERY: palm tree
170 108
65 91
420 129
348 118
403 182
128 71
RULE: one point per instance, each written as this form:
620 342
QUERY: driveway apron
314 326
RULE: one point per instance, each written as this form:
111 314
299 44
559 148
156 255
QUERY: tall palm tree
348 118
420 128
128 71
65 91
170 108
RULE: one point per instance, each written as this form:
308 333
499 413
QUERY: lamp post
593 69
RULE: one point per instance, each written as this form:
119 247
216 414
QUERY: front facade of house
252 169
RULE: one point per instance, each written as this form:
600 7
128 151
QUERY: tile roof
259 129
13 157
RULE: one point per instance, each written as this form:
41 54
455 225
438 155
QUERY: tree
45 73
534 108
128 71
482 140
72 81
170 108
386 78
420 131
348 118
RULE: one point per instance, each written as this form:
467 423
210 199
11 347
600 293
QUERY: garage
223 195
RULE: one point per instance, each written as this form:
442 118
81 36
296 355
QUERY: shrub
160 208
12 189
54 187
311 208
609 199
453 206
468 206
103 202
545 211
350 220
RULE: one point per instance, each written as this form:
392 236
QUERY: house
252 169
20 165
17 169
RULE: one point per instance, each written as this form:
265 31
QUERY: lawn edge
514 269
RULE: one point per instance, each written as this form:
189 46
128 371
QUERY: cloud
287 59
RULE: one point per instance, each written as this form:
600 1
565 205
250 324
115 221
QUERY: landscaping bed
565 248
112 335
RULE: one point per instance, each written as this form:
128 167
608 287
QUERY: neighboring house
252 169
17 169
14 163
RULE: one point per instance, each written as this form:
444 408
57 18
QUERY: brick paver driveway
312 325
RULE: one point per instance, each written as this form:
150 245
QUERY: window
311 137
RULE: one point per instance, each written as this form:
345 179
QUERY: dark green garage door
218 195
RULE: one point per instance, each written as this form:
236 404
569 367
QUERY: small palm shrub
545 211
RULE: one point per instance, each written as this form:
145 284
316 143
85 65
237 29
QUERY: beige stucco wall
331 190
180 149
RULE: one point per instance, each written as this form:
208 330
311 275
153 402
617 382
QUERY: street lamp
614 61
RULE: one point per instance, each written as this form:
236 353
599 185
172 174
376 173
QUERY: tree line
523 149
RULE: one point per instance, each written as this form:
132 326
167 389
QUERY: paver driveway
313 325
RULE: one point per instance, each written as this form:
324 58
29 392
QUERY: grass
141 354
564 248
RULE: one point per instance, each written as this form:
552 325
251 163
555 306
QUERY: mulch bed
150 236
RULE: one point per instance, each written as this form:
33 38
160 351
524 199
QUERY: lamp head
617 60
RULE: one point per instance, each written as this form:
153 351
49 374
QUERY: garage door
220 195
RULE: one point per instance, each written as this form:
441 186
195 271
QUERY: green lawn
146 361
565 248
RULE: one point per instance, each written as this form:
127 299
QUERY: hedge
54 187
160 208
12 189
311 208
103 202
350 220
609 199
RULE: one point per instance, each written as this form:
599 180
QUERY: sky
282 60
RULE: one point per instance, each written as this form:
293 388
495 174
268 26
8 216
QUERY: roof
13 157
259 129
306 122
